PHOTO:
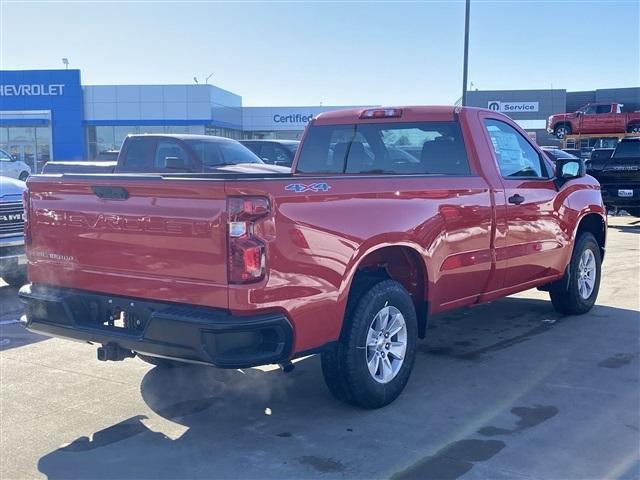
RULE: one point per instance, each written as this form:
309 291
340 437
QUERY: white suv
10 167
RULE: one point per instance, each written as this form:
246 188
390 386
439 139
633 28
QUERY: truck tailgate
149 237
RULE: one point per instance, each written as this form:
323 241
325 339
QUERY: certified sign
512 107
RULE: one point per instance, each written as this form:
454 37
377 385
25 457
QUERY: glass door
25 152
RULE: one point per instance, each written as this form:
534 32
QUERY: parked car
12 167
276 152
576 152
594 118
13 261
169 153
347 256
619 175
555 153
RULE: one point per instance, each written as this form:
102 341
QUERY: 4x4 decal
312 187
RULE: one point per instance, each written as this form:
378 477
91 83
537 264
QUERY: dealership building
49 114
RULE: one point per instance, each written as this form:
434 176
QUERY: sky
331 53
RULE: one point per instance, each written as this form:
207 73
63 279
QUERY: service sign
512 107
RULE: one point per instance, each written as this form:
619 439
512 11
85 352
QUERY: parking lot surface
505 390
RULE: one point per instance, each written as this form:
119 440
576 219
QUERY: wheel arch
595 224
402 262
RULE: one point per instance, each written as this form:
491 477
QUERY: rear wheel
635 128
580 294
562 130
371 364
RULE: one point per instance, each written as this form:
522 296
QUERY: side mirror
175 163
568 169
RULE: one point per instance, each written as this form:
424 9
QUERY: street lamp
466 52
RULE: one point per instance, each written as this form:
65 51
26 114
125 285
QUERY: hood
254 168
11 187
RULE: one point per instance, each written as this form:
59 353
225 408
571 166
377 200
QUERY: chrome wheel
586 274
386 344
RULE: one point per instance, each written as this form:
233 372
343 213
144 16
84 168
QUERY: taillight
247 256
27 225
382 113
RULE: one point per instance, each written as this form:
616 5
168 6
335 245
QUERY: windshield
628 150
219 153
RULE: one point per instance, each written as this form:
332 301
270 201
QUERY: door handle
516 199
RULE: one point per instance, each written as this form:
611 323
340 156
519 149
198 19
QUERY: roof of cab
415 113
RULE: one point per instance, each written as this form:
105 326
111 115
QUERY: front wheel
562 131
580 294
23 176
371 364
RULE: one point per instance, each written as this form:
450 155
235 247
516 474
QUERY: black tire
160 362
23 176
635 128
634 211
566 298
344 366
15 279
562 130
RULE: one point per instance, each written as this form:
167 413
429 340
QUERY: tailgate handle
110 193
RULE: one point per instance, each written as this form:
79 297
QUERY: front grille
11 218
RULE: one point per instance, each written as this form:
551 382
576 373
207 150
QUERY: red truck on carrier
389 216
594 118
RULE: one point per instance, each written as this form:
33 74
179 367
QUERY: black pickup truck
619 176
167 153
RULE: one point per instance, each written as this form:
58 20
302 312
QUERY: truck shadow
203 422
12 334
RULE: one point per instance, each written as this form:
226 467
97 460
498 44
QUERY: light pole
466 52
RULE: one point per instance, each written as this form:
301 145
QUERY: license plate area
625 192
115 314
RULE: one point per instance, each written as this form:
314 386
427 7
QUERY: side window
168 149
515 155
590 110
138 156
603 109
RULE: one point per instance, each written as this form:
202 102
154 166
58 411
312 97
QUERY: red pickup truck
594 118
389 216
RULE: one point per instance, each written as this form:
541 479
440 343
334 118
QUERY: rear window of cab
385 148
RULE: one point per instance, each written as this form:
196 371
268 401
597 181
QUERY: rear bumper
179 332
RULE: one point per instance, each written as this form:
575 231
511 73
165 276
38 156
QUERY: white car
13 261
10 167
